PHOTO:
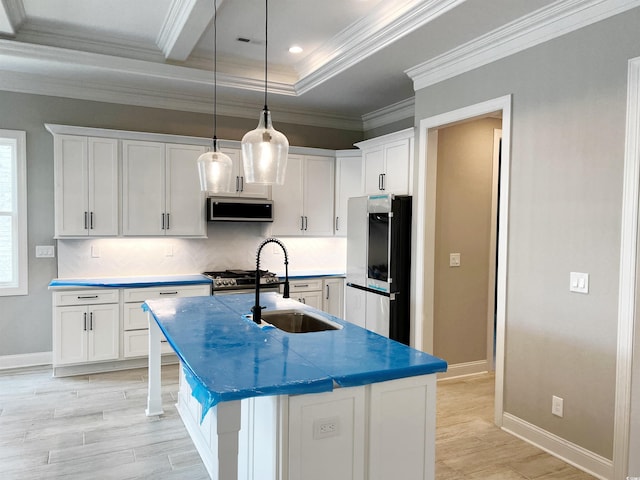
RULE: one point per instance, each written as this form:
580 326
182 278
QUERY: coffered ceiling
360 58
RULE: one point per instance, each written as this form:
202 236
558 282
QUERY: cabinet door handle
85 321
85 220
337 224
91 321
327 292
163 221
301 222
168 221
168 293
306 223
242 184
91 220
85 297
384 181
237 184
379 181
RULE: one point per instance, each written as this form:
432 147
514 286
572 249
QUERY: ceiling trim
41 84
392 113
367 36
185 23
12 16
547 23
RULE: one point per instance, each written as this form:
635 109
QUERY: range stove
242 281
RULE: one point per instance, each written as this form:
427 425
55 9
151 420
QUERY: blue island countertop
130 282
227 356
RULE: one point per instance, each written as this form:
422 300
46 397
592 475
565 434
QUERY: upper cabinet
86 186
161 190
239 187
113 182
387 163
304 204
348 184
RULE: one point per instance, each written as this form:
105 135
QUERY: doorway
425 228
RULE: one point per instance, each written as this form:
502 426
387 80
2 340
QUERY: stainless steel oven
229 282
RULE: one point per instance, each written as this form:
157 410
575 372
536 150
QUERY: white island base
379 431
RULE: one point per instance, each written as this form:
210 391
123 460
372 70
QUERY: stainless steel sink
298 321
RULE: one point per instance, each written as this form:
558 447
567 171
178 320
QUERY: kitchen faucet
257 309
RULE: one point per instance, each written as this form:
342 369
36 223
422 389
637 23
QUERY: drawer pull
306 285
86 297
168 293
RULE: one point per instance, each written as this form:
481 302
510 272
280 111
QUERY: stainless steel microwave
231 209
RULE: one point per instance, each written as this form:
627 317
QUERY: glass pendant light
215 167
264 150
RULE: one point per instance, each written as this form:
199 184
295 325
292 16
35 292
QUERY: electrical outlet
95 251
326 427
454 259
45 251
557 406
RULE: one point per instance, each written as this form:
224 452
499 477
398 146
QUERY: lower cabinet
326 294
86 327
134 319
107 324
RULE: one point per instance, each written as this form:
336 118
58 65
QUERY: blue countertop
228 357
130 282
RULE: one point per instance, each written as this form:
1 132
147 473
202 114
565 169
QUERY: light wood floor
94 427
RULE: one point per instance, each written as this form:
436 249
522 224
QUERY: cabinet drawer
142 294
134 318
86 297
136 344
305 285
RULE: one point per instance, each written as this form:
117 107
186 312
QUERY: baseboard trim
464 369
566 451
115 365
25 360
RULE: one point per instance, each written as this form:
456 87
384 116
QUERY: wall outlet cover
579 282
45 251
454 259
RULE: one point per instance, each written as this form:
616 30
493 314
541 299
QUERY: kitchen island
261 403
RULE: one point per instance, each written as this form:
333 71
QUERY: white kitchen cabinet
135 322
348 184
86 186
85 330
304 204
387 163
239 187
333 299
307 291
161 190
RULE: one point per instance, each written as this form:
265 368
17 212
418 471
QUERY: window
13 213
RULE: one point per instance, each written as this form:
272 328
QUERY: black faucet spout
256 310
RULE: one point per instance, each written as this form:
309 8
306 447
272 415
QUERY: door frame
424 230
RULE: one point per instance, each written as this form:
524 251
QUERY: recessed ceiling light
295 49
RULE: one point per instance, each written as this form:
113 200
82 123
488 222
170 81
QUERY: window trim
22 287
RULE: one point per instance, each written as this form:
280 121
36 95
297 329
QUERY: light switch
579 282
454 259
45 251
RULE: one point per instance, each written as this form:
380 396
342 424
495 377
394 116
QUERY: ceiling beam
11 16
186 21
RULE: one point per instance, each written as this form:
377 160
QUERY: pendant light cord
266 43
215 74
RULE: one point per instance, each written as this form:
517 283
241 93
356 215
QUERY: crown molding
41 84
392 113
547 23
13 11
185 23
367 36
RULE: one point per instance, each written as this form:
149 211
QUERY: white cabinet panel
103 333
373 170
304 204
143 184
348 184
86 186
185 203
333 300
239 187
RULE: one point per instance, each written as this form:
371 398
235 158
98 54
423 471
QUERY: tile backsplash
230 245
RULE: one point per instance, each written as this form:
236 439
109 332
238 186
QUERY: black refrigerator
379 264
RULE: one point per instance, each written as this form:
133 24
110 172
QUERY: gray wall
25 321
569 103
463 225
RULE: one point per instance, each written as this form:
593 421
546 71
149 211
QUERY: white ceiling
159 52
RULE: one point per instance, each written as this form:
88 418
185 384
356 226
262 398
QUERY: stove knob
232 281
225 282
218 282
